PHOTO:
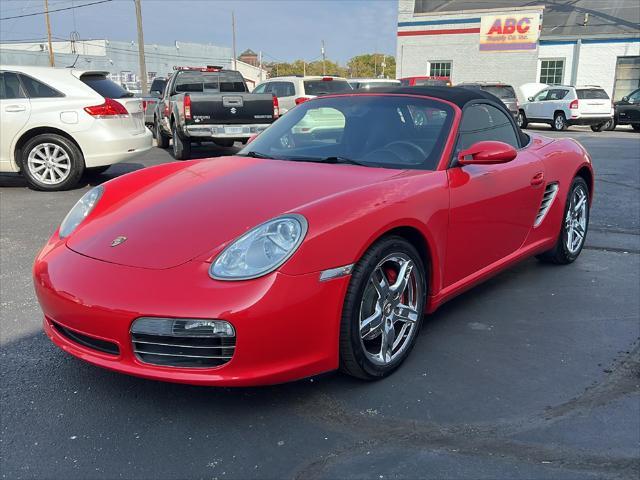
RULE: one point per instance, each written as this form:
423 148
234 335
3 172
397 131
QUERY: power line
55 10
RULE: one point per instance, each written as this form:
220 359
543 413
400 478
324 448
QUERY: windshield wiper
339 159
255 154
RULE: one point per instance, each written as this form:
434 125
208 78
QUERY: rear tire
181 146
162 140
521 119
391 312
559 122
51 162
562 253
611 125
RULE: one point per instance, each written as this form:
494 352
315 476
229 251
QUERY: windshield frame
447 138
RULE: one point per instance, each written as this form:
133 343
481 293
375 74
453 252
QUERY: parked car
55 123
627 111
302 255
210 104
295 89
428 81
369 83
561 106
149 102
504 92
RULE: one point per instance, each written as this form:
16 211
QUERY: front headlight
260 250
80 211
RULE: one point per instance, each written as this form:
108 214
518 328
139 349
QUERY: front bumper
225 131
287 327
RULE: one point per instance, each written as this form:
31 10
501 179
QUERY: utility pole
260 63
383 65
324 57
143 64
52 62
233 28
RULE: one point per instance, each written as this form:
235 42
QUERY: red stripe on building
450 31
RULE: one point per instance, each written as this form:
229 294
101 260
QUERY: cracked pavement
534 374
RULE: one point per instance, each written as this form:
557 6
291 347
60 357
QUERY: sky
284 30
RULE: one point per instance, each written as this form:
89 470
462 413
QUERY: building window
440 69
551 71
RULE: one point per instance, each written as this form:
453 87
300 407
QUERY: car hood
188 212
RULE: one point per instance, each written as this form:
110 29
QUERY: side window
482 122
10 86
541 97
288 89
260 88
634 97
557 94
37 89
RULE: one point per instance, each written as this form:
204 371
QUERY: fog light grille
187 343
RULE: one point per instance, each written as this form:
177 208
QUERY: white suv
57 122
561 106
293 90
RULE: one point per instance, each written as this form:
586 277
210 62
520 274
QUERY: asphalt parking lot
534 374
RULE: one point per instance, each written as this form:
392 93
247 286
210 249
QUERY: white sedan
55 123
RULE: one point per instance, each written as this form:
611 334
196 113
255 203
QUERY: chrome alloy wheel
559 122
389 309
49 163
575 223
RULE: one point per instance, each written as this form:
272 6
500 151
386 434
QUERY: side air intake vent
549 196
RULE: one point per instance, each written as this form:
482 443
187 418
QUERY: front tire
559 122
383 309
51 162
521 119
599 127
575 224
181 146
162 140
611 124
636 126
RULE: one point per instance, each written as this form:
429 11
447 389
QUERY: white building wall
598 61
463 49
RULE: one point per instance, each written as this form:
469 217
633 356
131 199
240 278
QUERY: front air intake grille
549 196
183 343
87 341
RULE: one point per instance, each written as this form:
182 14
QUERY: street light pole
324 68
52 62
142 62
233 28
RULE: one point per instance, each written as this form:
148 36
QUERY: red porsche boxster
320 245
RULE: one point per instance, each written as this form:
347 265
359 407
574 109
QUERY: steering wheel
405 150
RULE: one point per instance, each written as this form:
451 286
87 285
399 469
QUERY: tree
370 65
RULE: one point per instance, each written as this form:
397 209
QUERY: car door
534 109
15 109
629 111
492 207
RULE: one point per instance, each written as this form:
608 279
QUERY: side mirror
487 153
625 99
155 93
530 99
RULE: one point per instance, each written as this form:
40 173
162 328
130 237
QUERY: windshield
592 93
377 131
503 92
323 87
210 82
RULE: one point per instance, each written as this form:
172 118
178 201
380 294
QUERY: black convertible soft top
456 95
459 96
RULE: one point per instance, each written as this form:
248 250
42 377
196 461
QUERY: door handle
15 108
538 179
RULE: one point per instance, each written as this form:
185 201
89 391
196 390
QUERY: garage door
627 76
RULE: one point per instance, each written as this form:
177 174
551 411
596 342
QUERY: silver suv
292 90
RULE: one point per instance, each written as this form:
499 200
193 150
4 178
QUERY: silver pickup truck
210 104
150 101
